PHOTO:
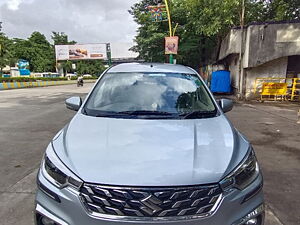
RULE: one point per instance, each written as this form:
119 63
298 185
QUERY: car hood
137 152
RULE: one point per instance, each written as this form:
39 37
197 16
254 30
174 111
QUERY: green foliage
36 50
6 58
211 17
40 54
60 38
202 24
94 68
91 67
29 79
278 10
150 39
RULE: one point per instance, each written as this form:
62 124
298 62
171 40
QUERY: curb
18 85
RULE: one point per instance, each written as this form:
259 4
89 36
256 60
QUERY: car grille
150 202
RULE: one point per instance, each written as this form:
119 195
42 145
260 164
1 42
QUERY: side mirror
74 103
226 105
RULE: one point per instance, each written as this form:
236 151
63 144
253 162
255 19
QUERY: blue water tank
221 82
24 72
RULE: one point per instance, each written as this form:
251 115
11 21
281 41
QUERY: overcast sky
85 21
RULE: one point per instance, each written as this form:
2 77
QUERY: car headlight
56 172
244 174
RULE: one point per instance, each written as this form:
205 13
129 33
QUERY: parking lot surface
29 118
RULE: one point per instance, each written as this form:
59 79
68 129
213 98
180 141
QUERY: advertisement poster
171 46
80 52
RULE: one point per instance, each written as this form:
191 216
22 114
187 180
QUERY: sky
85 21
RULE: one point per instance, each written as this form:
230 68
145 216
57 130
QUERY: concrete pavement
29 118
273 130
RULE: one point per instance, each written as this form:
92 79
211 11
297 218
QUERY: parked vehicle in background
149 145
71 75
45 75
87 76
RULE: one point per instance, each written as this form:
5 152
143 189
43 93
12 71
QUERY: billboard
171 46
80 52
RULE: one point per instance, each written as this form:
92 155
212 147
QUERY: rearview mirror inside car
74 103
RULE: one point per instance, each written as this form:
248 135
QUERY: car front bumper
69 210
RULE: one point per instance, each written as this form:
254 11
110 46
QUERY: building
269 50
11 71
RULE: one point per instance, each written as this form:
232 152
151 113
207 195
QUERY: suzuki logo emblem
151 204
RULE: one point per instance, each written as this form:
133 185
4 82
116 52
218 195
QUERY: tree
60 38
278 10
202 24
37 51
92 67
6 58
150 38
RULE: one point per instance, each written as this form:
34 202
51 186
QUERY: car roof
150 67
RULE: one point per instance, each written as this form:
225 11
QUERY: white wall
231 44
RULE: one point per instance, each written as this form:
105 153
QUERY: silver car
149 145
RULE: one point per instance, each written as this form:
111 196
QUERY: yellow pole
170 26
294 89
174 31
169 17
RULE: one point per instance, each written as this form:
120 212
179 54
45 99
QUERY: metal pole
108 54
170 26
241 80
1 49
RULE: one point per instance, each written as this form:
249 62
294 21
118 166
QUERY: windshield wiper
146 113
198 114
133 114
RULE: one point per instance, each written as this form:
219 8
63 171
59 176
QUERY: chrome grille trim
149 206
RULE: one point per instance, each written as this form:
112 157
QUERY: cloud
85 21
13 4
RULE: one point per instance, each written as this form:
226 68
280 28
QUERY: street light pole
170 26
0 42
241 70
1 73
108 53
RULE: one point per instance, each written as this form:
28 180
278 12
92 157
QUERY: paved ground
273 131
29 118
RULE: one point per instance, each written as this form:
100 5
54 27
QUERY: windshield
150 94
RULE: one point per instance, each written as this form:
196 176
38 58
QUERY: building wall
262 43
272 41
231 44
274 68
266 49
234 67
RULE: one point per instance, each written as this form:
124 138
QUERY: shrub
34 79
29 79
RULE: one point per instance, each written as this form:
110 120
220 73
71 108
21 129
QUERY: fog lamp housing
43 220
255 217
253 221
47 221
43 217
